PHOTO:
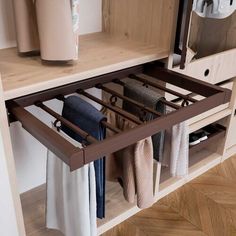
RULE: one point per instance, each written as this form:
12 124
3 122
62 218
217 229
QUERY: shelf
209 117
213 138
99 54
33 204
201 162
117 208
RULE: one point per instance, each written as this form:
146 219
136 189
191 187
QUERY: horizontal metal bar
67 123
138 104
162 88
111 127
173 105
68 153
183 81
115 109
104 123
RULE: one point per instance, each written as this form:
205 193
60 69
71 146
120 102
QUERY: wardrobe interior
212 36
134 32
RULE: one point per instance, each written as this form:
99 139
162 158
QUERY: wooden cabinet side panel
11 218
231 134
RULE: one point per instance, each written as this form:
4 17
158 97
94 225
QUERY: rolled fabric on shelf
26 26
56 34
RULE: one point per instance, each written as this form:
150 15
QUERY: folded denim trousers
88 118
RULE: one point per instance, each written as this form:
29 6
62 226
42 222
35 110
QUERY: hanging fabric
176 149
132 166
71 196
89 119
149 98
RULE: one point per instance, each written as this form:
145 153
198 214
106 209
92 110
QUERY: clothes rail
75 157
171 104
114 108
140 105
67 123
104 123
183 81
155 85
71 155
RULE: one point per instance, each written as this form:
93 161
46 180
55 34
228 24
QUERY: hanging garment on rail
132 166
71 197
88 118
217 9
176 149
149 98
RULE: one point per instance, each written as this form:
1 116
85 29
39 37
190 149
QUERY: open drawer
215 133
77 157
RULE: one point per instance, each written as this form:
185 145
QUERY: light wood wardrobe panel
148 21
231 134
8 183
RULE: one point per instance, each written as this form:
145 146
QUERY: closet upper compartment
205 48
134 32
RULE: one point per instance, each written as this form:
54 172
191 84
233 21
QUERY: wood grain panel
147 21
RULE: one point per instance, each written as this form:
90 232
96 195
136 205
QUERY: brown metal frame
213 138
76 157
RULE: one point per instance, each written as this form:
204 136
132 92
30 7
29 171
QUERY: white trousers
71 197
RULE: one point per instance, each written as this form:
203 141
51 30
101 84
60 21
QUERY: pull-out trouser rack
77 157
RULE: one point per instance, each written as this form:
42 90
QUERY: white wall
90 20
30 155
7 35
8 225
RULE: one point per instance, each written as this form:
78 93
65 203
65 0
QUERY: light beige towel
133 165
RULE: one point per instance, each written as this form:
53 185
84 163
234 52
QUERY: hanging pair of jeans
88 118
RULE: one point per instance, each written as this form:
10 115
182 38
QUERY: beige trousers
133 165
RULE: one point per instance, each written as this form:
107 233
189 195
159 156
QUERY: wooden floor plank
205 206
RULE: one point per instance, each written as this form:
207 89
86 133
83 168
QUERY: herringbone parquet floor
205 206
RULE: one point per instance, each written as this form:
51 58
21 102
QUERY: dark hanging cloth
88 118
